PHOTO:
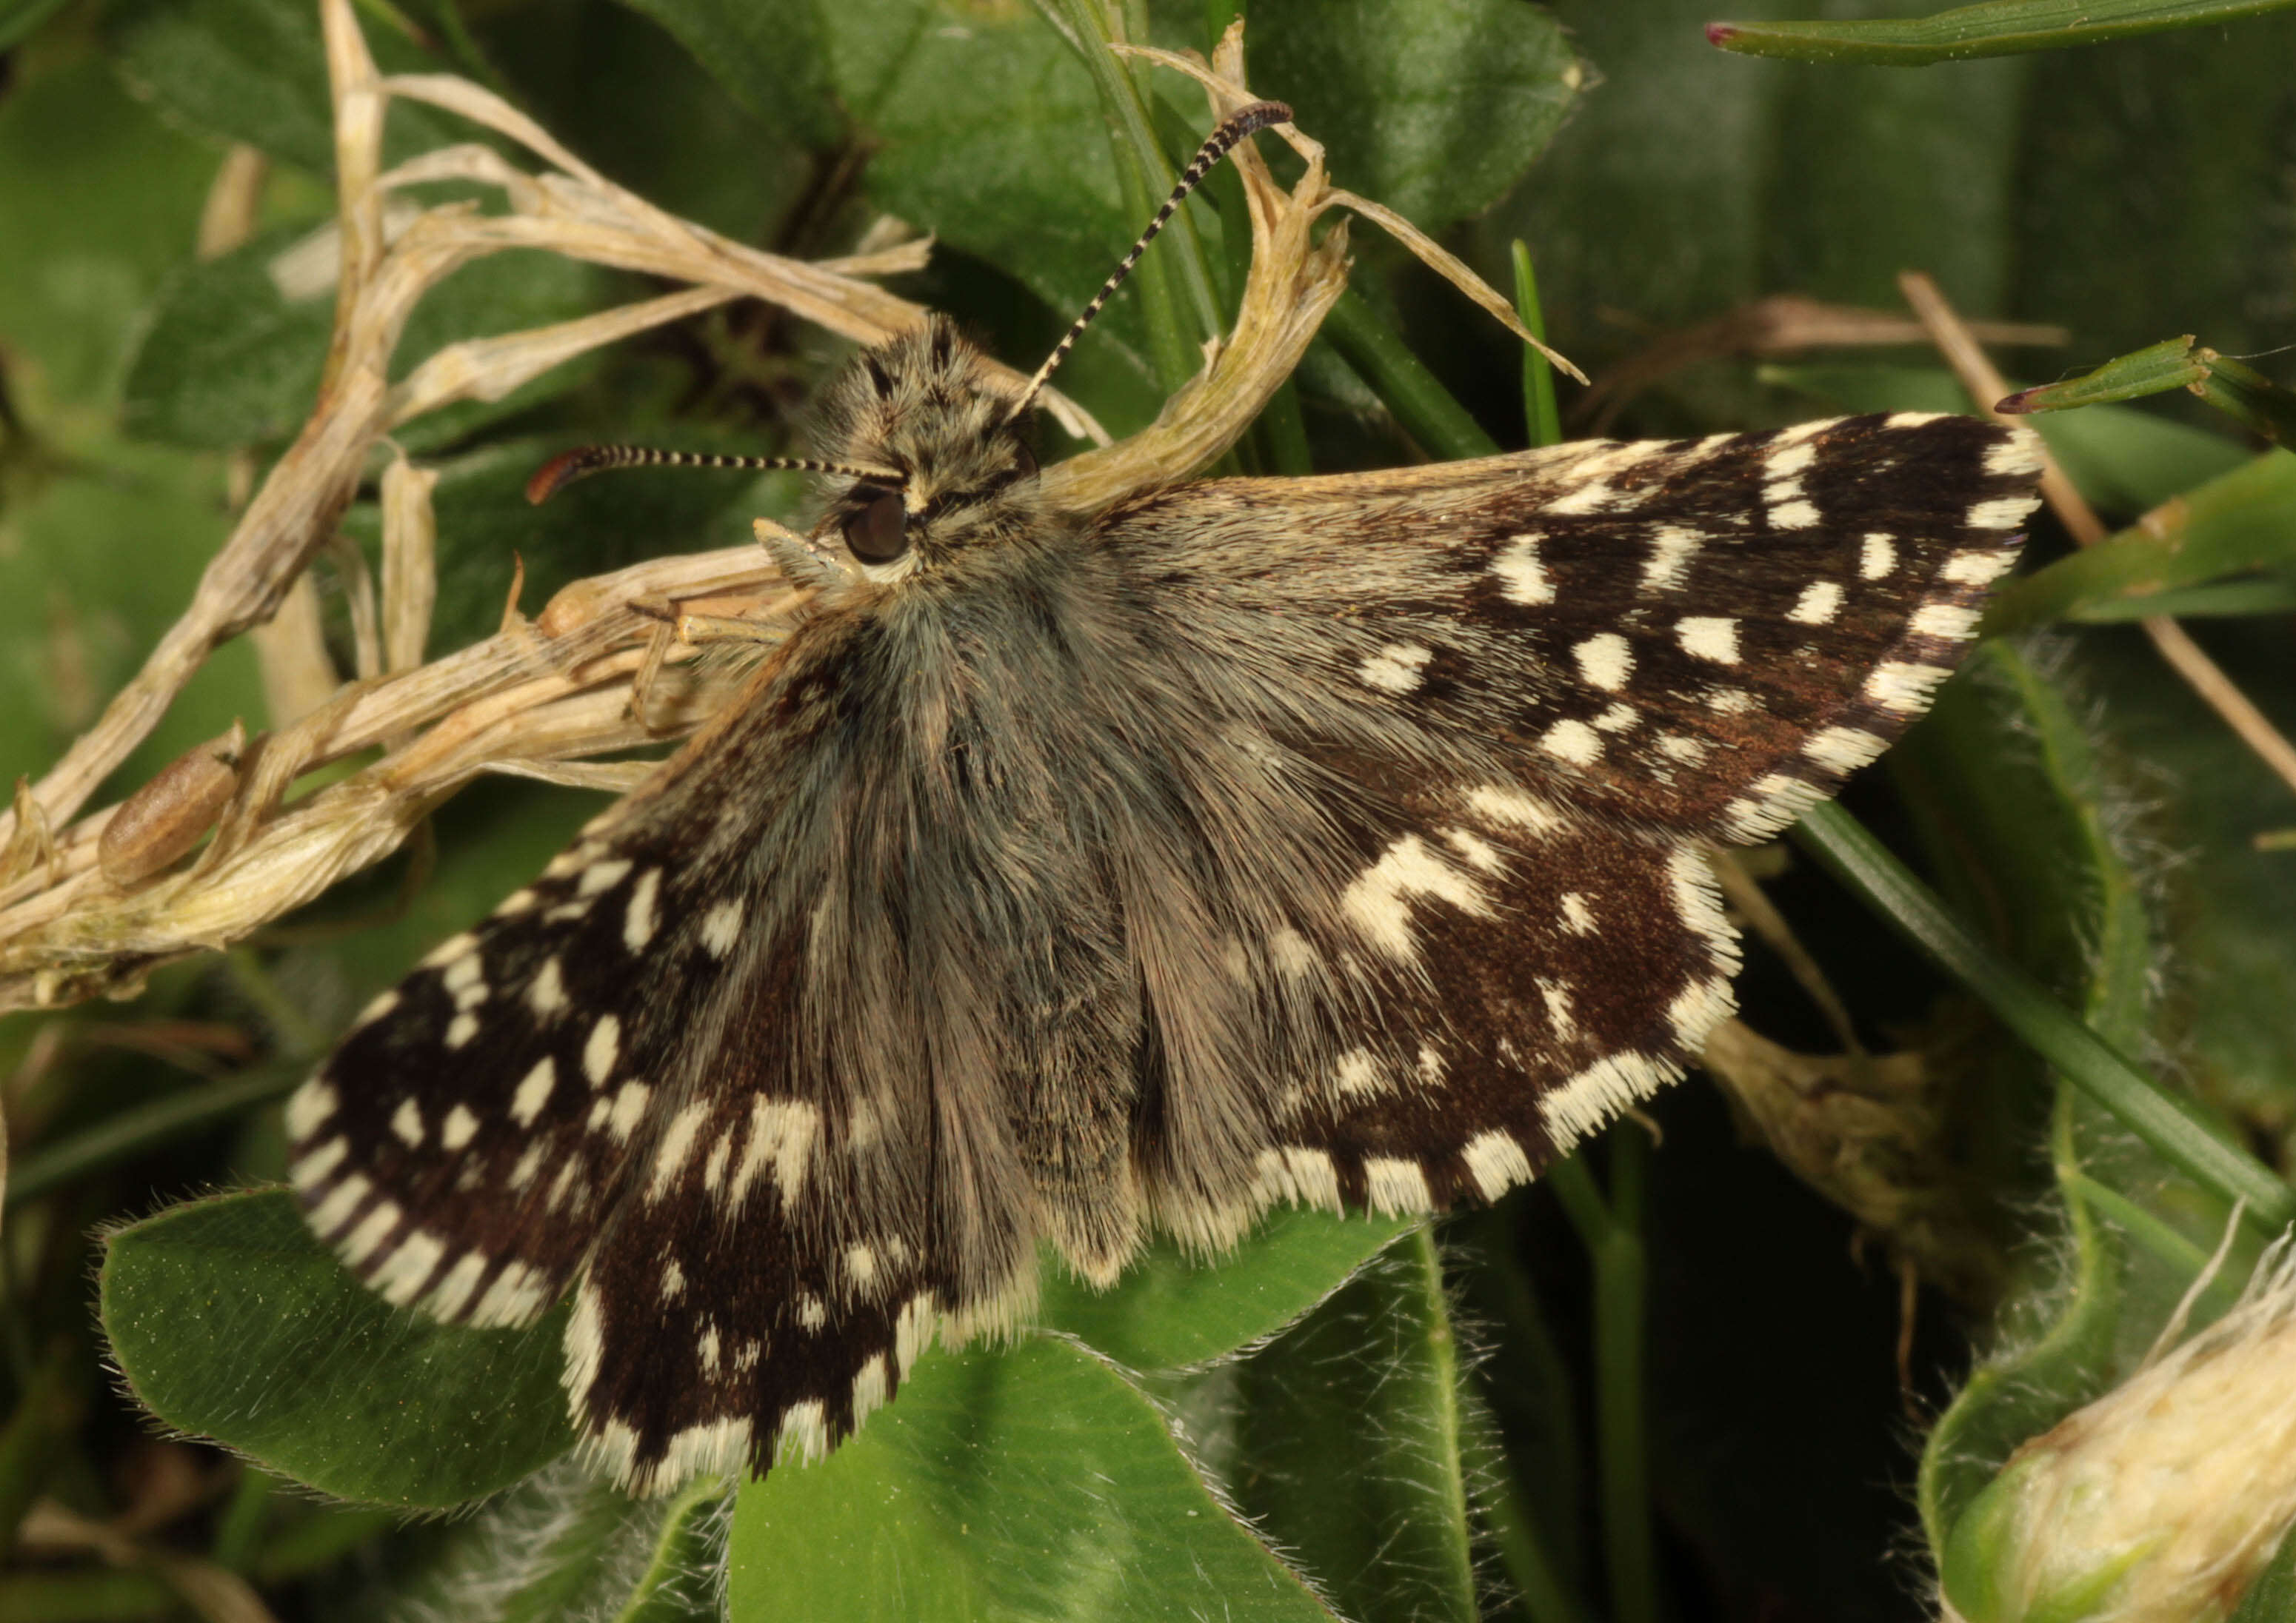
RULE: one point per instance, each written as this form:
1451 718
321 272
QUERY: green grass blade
1429 411
1999 28
1544 422
2175 1129
2153 370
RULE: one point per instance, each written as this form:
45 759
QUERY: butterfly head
927 405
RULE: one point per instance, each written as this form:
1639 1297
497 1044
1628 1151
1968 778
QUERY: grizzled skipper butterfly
1332 840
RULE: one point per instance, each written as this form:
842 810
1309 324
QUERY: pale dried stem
539 694
2174 643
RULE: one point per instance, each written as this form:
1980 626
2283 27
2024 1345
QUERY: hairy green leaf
231 1320
1032 1482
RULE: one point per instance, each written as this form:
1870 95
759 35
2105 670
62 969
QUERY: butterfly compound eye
880 532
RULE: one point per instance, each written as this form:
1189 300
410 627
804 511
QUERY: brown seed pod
165 818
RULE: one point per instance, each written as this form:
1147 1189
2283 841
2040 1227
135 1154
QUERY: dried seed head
2160 1502
165 818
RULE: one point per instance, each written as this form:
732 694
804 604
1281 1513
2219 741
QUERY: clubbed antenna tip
1253 116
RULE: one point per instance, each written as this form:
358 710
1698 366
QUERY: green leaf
2245 519
1469 93
769 55
229 1319
20 19
1999 28
1030 1483
1171 1311
1349 1445
564 1547
254 70
111 198
231 360
2004 767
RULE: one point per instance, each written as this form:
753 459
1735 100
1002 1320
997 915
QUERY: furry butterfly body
1063 879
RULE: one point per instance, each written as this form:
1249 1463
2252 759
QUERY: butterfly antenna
1256 115
562 469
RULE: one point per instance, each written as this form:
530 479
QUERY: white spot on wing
1515 807
1708 637
534 1092
461 1029
1305 1176
1606 660
1496 1163
1843 748
1950 621
1598 1093
1395 669
514 1298
374 1229
721 927
1573 741
1977 568
1671 549
406 1123
602 876
629 1106
2006 514
547 995
448 951
449 1296
404 1273
1577 918
1901 687
1289 952
344 1199
320 1164
1877 556
783 1133
1700 1006
1391 1184
1785 461
1379 903
1522 578
603 1048
1359 1075
1792 515
310 1109
639 921
677 1145
1819 603
1559 1011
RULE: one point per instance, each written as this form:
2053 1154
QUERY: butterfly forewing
1699 635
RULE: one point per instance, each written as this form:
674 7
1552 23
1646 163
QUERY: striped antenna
562 469
1255 115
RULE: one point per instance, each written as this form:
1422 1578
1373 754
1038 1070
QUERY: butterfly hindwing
1527 977
468 1139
